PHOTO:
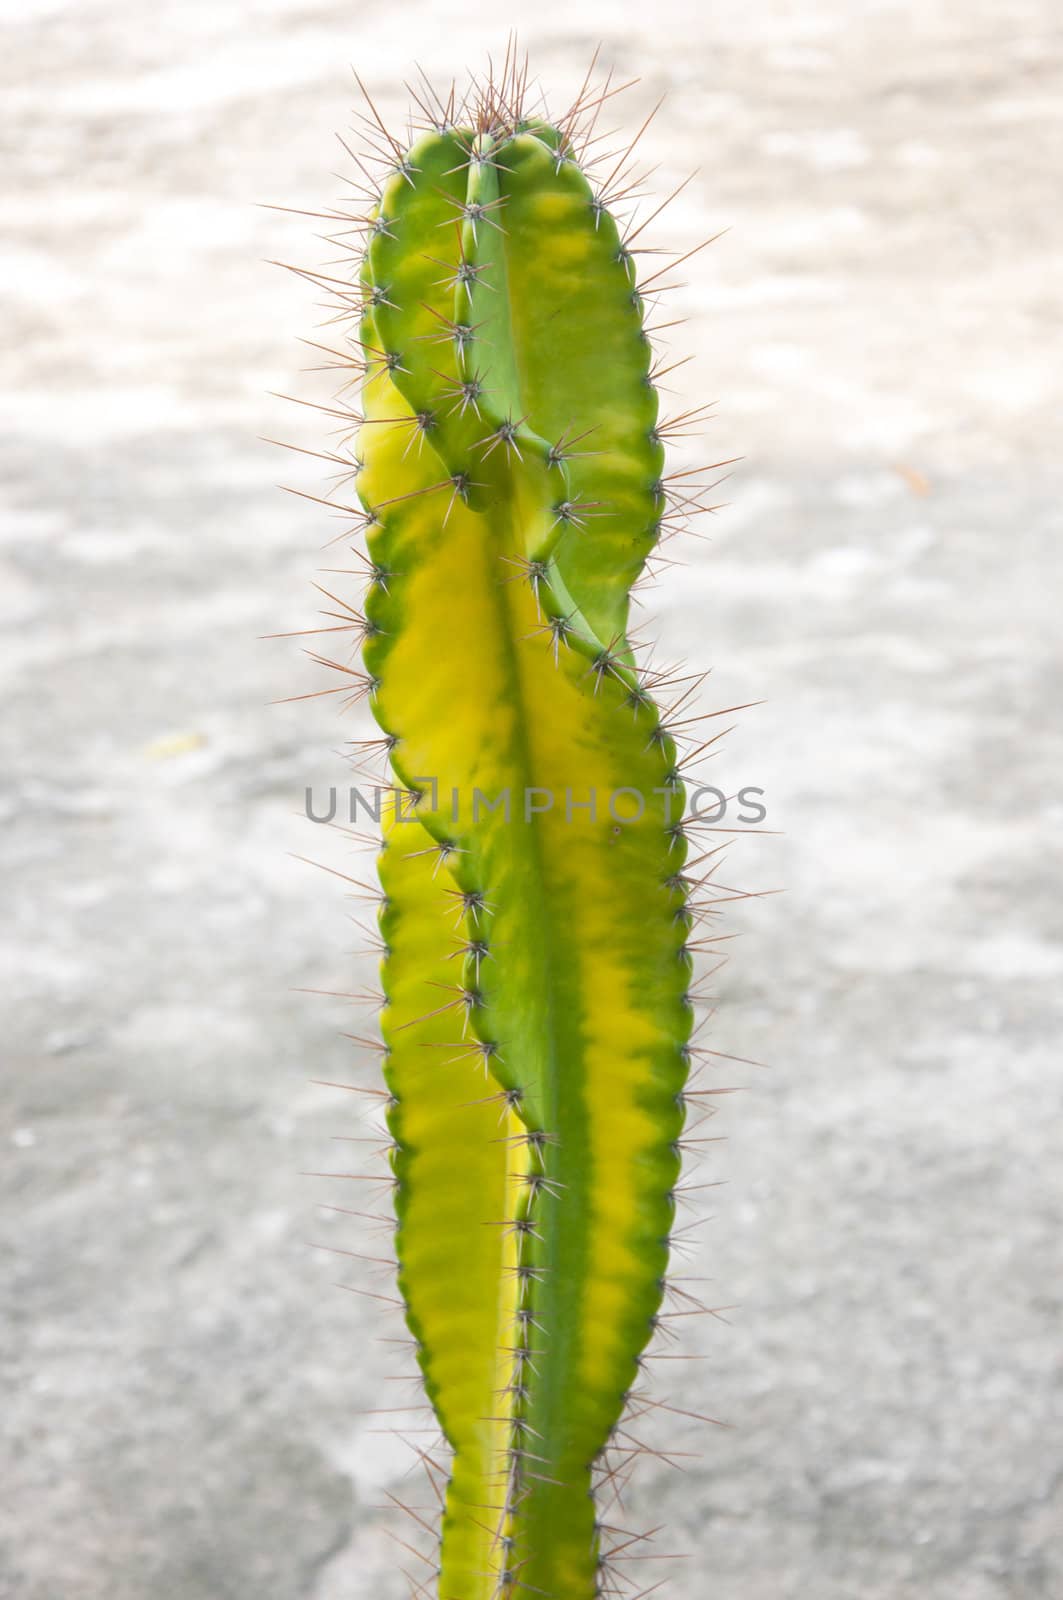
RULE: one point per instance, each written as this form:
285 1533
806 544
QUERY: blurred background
879 325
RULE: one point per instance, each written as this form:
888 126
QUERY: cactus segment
583 364
536 922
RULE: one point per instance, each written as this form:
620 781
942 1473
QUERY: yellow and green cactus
535 910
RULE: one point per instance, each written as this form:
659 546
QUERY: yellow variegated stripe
456 1176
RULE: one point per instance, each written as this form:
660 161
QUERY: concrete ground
184 1385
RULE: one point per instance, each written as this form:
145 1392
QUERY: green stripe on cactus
583 365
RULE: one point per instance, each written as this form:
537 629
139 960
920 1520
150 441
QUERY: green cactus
536 911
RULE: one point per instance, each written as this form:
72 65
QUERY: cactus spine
536 911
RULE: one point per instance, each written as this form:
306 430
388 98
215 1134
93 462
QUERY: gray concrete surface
183 1384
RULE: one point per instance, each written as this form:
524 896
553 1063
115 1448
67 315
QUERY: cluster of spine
537 905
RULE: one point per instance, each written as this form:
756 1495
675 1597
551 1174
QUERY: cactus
536 909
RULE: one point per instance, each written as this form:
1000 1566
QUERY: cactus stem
479 236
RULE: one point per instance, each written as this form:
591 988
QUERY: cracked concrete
186 1388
